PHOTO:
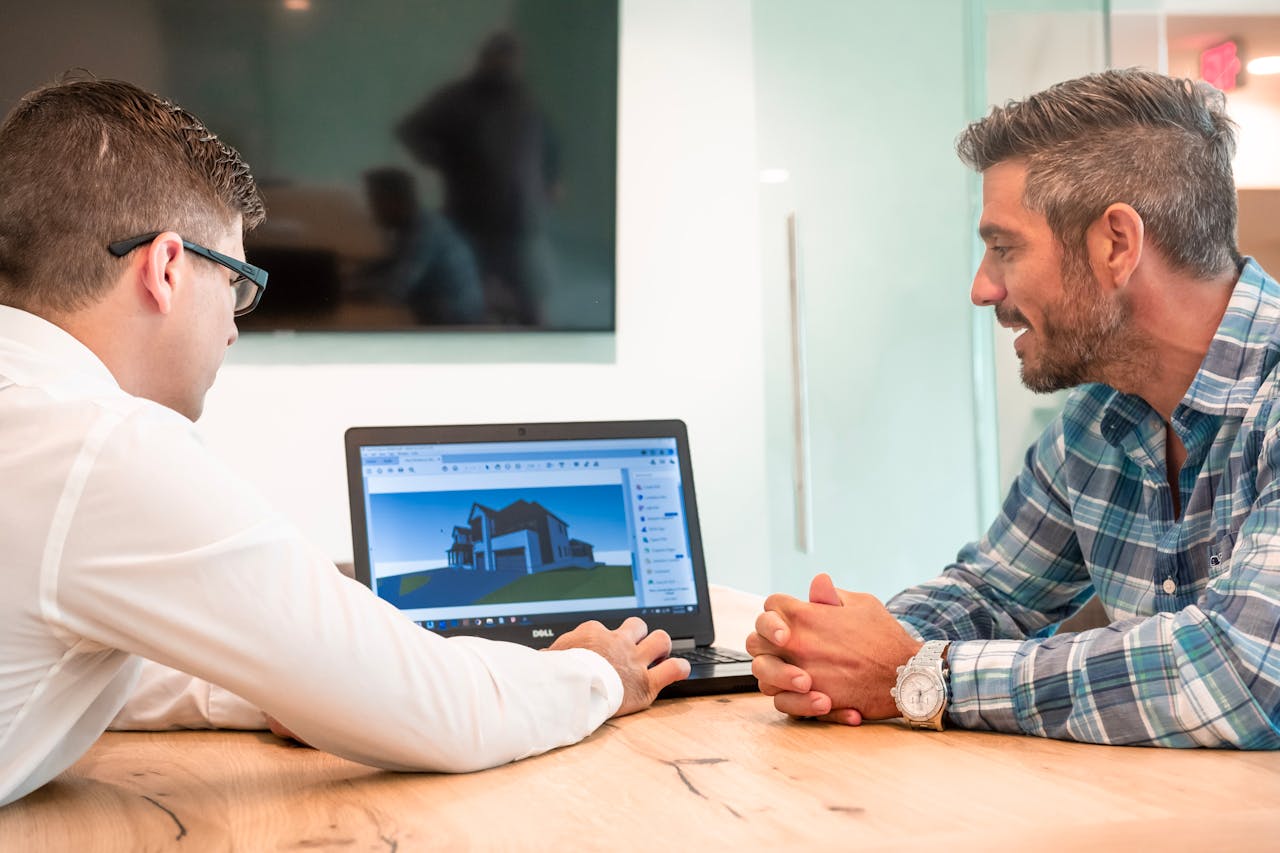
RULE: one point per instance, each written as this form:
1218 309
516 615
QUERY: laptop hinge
683 645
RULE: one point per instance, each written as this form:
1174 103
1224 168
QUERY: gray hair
1160 144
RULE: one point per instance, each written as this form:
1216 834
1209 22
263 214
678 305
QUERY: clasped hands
834 657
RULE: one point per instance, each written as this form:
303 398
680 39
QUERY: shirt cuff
606 676
164 698
229 711
982 673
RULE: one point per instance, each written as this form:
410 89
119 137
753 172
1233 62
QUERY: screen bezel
696 625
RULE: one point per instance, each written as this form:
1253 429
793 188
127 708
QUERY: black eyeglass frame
245 271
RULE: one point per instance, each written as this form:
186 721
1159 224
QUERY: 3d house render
523 535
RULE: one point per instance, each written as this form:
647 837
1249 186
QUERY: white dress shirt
122 538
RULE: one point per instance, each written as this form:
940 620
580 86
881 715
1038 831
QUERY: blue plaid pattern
1192 656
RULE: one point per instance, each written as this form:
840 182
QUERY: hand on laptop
834 657
632 651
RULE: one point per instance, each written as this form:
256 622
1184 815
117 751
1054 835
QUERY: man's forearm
1167 680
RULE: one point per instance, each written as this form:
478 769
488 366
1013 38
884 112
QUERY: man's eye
1001 251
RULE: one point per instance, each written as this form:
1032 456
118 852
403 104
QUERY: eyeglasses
248 283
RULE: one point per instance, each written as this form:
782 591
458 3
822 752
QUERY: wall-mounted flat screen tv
426 164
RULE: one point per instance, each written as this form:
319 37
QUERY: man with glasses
248 283
138 572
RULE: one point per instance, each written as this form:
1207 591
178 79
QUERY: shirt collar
1244 349
34 351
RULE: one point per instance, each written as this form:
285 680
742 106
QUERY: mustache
1011 316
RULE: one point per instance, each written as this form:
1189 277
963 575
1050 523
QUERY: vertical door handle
799 392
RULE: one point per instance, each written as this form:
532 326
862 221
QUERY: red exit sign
1220 65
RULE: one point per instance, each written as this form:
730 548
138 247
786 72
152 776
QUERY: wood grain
707 773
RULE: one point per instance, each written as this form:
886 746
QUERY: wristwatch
921 693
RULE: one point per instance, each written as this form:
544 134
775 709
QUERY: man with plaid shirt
1109 216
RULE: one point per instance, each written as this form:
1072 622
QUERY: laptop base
707 679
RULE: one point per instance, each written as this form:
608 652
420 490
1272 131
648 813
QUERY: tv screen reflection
442 164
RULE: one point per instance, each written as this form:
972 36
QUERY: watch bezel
938 689
930 662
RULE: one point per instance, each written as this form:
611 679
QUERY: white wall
688 341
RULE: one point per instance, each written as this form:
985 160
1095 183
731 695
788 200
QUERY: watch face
919 695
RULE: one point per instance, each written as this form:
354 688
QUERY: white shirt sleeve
165 698
186 566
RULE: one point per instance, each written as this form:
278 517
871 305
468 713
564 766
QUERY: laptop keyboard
711 654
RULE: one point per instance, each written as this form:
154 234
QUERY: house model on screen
523 536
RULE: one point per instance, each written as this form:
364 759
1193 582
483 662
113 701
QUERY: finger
633 629
667 672
811 704
843 716
568 639
781 602
773 627
655 646
775 673
822 590
769 689
757 645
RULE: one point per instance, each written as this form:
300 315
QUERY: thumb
823 591
843 716
655 678
666 672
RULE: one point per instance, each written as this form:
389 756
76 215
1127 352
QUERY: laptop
520 532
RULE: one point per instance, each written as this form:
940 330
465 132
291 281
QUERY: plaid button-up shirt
1192 657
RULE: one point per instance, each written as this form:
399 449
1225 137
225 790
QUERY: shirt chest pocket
1220 553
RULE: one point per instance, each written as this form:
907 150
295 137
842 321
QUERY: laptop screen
474 535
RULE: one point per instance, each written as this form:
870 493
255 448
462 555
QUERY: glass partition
1025 46
884 390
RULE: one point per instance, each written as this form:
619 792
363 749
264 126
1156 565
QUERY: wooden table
709 773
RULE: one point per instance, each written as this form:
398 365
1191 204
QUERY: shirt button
1169 586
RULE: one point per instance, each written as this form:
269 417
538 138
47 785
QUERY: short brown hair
86 162
1161 144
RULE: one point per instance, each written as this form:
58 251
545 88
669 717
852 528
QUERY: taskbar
472 623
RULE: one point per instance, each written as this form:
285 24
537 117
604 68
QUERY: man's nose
985 290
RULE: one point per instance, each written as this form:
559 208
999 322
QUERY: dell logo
541 633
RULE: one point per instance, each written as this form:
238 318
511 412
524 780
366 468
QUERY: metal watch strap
930 653
930 657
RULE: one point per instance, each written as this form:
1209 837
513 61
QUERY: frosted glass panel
861 119
1030 46
857 109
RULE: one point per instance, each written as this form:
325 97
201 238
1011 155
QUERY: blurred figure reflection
495 153
429 266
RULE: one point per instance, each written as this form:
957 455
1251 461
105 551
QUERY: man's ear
1114 242
160 274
